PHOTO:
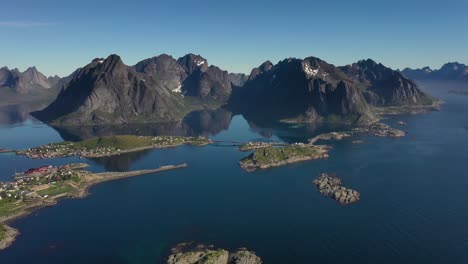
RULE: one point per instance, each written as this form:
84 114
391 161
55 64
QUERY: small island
330 185
109 146
380 130
270 157
44 186
191 253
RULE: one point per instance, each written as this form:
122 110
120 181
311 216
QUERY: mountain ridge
451 71
162 88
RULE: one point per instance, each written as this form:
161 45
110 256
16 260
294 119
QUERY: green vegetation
2 232
9 207
110 145
212 256
130 141
272 154
57 189
277 156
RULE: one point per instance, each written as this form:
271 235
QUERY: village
109 146
34 182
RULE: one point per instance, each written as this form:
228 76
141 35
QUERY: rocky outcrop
191 253
7 236
452 71
330 185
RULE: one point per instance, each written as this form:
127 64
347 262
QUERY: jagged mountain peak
192 62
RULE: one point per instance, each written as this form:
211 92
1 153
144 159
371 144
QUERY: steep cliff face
383 86
306 90
108 91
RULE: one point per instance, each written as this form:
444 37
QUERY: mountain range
30 85
452 71
162 88
311 90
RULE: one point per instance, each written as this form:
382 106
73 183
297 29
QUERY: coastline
10 237
109 146
82 191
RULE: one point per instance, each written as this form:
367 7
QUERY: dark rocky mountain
108 91
190 75
314 90
30 85
156 89
452 71
383 86
301 90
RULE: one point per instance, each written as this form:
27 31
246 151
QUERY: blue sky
59 36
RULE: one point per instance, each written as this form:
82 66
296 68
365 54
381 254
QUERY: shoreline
10 237
81 190
109 146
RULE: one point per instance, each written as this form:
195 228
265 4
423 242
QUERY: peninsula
44 186
110 146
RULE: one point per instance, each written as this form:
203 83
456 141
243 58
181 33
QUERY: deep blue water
414 192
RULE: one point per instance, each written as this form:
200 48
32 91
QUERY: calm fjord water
412 209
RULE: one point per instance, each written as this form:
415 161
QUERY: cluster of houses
66 150
33 180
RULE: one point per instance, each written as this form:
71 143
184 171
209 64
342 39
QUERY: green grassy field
8 207
270 155
57 189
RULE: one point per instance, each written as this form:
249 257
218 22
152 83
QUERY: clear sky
59 36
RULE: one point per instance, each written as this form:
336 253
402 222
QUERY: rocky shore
191 253
7 236
270 157
330 185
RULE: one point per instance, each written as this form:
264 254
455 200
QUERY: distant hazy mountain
30 85
452 71
156 89
313 90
